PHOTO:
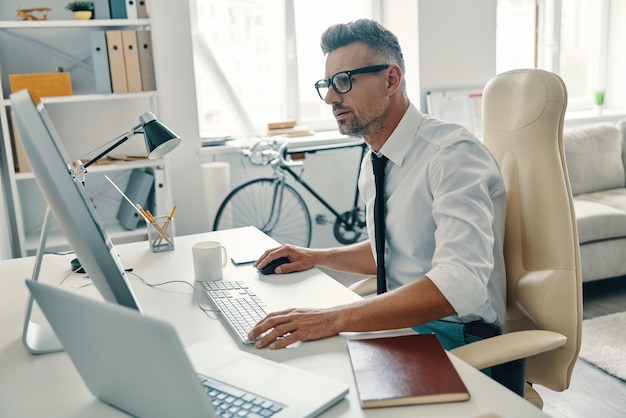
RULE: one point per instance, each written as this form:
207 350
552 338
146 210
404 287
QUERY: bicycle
276 208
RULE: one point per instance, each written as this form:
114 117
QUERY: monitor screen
69 202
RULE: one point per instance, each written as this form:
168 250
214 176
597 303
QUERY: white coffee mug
209 260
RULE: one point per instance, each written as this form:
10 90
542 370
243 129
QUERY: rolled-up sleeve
463 211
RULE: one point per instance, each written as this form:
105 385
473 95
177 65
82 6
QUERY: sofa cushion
594 158
599 215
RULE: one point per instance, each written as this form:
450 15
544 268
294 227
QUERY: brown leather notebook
404 370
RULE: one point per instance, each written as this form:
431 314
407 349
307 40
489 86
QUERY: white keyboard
239 306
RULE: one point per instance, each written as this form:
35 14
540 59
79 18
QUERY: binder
146 60
138 189
118 9
100 58
19 156
117 68
131 9
131 60
101 9
142 9
157 198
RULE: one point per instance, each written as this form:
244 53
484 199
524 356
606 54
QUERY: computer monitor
68 201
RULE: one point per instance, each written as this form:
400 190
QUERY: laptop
138 364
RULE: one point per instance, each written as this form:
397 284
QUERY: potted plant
83 10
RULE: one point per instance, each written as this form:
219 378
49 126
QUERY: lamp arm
119 141
125 137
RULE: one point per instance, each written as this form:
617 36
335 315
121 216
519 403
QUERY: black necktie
379 163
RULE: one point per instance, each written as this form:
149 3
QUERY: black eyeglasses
342 81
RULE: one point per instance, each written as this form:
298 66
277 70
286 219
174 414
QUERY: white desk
48 385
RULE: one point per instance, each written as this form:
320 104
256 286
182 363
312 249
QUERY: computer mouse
271 266
76 267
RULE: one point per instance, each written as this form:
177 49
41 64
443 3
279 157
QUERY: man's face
360 111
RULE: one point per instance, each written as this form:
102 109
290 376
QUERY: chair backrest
523 113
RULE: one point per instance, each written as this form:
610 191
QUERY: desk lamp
39 338
159 141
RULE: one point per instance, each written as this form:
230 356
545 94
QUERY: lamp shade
159 139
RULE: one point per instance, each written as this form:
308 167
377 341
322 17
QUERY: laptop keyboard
240 307
232 402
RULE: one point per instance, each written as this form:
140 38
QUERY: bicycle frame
276 200
285 167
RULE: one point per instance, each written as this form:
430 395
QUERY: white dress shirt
445 204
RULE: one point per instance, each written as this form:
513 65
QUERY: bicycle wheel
349 228
278 211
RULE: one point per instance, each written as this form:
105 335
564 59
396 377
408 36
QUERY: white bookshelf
85 121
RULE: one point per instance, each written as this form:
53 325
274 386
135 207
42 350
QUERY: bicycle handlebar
267 153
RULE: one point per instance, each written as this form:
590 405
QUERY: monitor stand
39 338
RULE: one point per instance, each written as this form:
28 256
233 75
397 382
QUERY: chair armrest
364 287
508 347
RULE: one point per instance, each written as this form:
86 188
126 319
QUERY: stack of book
122 61
287 128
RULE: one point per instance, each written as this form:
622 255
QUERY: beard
356 127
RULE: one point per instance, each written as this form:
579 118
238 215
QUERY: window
243 64
311 19
568 37
264 56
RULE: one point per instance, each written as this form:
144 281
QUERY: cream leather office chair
523 114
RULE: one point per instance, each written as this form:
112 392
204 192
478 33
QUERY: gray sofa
596 161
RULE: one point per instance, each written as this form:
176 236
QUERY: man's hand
356 258
294 325
300 258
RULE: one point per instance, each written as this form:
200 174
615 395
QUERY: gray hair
369 32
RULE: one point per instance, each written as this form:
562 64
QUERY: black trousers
511 374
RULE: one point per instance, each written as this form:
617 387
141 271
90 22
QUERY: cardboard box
42 85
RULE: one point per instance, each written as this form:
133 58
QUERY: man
444 201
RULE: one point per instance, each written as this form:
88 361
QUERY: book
102 9
42 84
142 9
131 9
100 58
405 370
131 61
117 67
281 125
297 130
117 8
146 61
138 189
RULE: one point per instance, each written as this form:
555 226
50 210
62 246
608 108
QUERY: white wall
400 16
446 43
457 43
177 109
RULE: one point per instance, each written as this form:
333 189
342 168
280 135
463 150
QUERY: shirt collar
398 143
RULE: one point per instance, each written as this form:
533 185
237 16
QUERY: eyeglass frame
330 81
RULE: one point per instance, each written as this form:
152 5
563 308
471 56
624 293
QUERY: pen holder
161 234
